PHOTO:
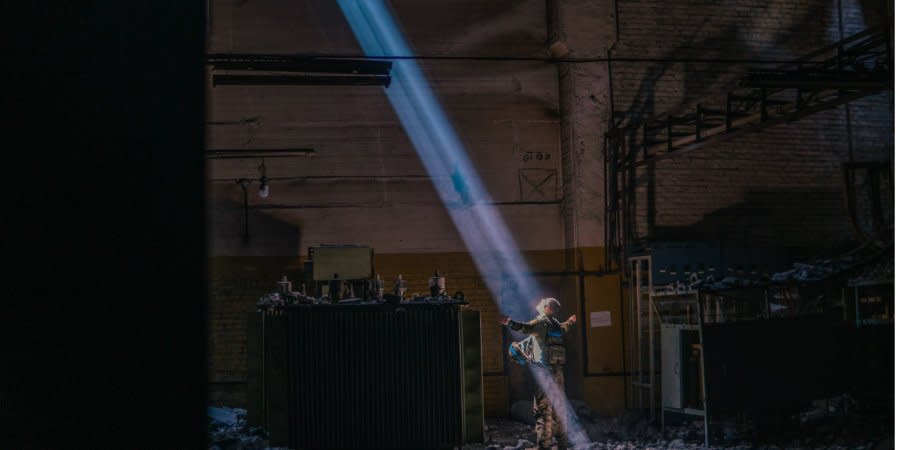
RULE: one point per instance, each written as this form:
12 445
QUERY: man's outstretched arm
524 327
567 325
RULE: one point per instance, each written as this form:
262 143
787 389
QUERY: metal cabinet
670 340
681 371
364 376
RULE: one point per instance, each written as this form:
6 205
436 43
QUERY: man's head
548 306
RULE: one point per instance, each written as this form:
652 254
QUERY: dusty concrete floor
826 425
502 434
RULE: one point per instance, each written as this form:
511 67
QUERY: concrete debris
814 271
822 409
228 430
584 412
521 445
500 433
275 300
269 301
880 272
729 282
224 416
834 423
443 298
800 272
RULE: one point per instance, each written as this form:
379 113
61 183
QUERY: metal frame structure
852 68
642 385
858 66
696 309
693 297
703 374
644 332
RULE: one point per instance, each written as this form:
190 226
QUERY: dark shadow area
265 236
774 219
762 367
726 43
104 295
873 11
771 370
249 269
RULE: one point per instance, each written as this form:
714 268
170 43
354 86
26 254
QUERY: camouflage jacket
547 335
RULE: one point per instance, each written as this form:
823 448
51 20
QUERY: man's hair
547 301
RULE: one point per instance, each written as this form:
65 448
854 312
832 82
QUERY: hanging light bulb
263 180
263 187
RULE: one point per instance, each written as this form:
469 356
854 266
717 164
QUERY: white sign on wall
601 319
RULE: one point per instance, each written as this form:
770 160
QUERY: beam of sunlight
483 231
850 16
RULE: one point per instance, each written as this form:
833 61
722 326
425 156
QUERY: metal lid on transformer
377 287
284 286
437 284
399 286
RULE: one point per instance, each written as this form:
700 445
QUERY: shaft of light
479 224
444 157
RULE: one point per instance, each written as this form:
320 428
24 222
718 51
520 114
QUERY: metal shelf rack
651 310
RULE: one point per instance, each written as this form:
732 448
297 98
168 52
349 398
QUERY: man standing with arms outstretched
548 357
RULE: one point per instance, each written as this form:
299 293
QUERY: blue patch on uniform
517 356
555 333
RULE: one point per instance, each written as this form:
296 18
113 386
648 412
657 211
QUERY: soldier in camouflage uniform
547 353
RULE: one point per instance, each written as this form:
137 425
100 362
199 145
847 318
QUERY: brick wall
782 186
235 285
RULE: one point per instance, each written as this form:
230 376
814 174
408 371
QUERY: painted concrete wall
366 183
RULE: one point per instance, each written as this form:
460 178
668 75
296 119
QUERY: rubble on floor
814 271
228 430
878 272
867 263
837 423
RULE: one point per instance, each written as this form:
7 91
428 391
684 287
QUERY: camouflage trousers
547 421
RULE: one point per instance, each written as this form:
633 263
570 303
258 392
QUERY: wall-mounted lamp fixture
263 180
263 187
